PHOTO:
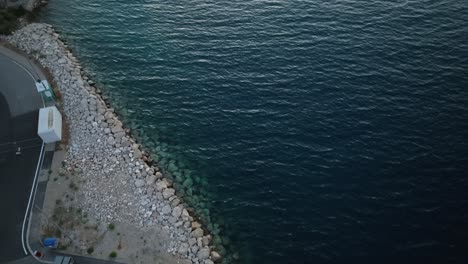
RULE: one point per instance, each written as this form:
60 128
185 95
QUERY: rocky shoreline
117 184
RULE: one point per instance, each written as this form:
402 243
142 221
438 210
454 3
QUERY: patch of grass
111 226
67 218
90 250
73 186
50 231
113 254
63 247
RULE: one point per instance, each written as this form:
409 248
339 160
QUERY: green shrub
73 186
113 254
111 226
90 250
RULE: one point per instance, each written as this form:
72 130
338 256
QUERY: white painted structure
44 89
50 124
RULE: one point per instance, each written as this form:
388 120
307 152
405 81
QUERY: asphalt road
19 104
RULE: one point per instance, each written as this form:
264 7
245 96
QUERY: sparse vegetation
58 233
63 247
111 226
73 186
119 247
90 250
113 254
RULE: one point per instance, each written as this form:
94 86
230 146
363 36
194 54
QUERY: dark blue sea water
301 131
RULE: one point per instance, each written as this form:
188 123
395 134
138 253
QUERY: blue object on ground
50 242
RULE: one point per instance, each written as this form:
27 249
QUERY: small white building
50 124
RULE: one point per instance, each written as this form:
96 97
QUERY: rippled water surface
311 131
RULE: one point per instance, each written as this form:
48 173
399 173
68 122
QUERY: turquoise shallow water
311 131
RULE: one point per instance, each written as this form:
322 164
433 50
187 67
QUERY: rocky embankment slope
117 184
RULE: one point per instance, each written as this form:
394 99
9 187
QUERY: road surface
19 104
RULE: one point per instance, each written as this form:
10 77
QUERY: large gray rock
176 212
195 225
175 202
110 140
166 209
195 249
192 241
137 153
119 135
197 233
206 240
159 175
215 256
172 220
108 115
203 254
151 180
139 183
185 213
183 248
125 142
117 129
161 185
168 193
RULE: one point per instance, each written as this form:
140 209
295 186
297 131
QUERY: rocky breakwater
116 184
